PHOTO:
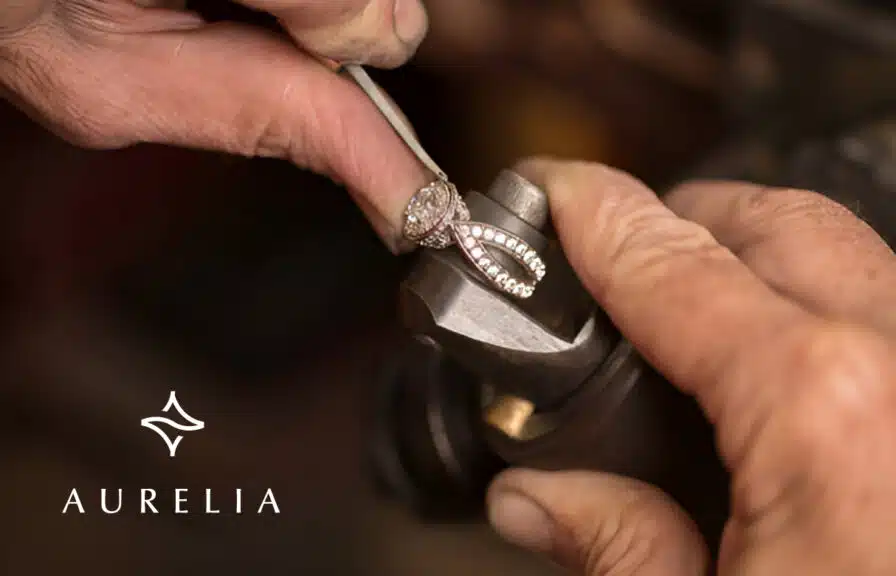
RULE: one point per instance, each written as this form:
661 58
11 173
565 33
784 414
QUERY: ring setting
437 217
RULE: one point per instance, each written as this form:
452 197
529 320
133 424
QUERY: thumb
383 33
596 524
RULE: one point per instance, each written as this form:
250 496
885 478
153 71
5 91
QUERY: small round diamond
521 249
529 256
499 238
489 234
485 263
470 242
476 253
477 231
493 271
511 243
501 278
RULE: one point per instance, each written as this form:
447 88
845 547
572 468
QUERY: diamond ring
437 217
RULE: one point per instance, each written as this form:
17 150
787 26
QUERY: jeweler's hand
110 73
776 309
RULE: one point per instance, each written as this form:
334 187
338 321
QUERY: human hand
776 310
111 73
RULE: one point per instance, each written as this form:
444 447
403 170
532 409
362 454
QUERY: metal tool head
540 349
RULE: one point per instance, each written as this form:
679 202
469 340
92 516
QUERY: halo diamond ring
437 217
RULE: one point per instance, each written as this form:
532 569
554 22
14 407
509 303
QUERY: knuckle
835 412
633 237
266 131
269 138
646 244
841 392
311 140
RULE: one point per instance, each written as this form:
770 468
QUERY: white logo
152 422
152 501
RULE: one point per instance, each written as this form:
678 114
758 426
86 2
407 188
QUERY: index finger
689 306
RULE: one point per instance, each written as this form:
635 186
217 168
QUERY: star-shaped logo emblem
153 423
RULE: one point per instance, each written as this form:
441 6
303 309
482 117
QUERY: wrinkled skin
776 310
111 73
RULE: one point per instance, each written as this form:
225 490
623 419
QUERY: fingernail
411 22
521 521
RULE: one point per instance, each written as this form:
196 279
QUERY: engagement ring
437 217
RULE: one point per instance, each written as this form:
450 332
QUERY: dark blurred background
129 274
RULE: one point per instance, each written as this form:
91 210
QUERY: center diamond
426 210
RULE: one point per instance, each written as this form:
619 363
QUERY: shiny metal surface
540 349
509 414
528 202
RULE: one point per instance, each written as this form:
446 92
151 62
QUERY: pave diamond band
474 239
437 217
